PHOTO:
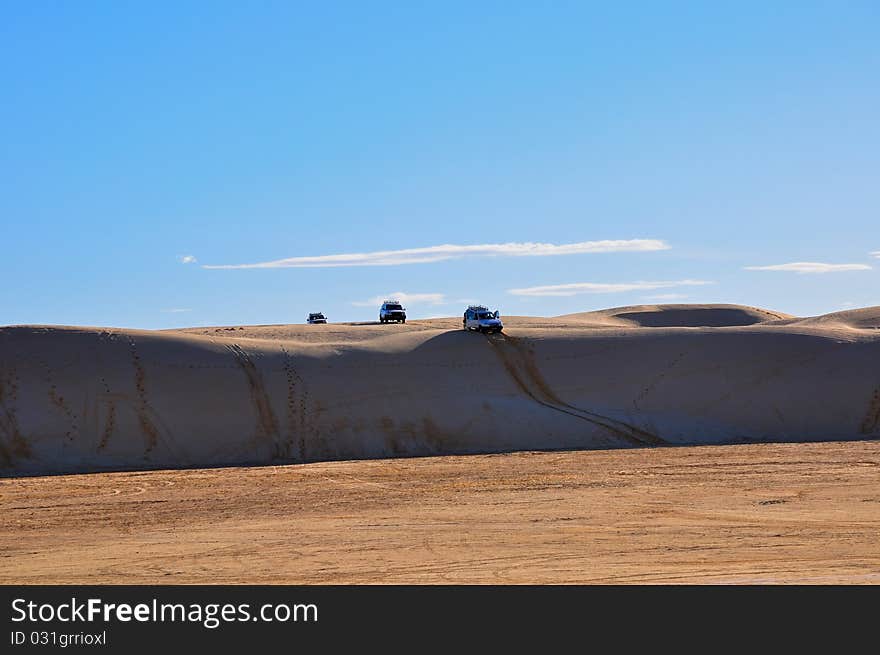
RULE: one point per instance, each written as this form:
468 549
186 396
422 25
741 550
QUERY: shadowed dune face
86 399
691 318
680 316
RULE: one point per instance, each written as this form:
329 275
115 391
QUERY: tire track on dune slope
58 401
156 431
298 423
13 445
520 365
142 405
871 422
267 423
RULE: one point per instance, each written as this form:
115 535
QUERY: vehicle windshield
316 316
393 307
485 315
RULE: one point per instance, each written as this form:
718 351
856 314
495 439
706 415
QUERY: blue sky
702 140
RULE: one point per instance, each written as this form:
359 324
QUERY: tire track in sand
267 423
871 422
297 397
151 432
57 400
13 445
520 365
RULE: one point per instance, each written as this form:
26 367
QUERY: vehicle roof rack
475 307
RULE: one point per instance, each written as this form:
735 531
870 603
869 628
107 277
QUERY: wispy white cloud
187 259
876 254
666 296
811 267
405 298
451 251
578 288
176 310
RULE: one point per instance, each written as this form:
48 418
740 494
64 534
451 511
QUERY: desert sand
608 391
77 399
759 514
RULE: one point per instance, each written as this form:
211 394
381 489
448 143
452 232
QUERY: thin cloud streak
187 259
578 288
810 267
404 298
451 251
876 254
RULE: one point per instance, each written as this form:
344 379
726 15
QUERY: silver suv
478 317
392 312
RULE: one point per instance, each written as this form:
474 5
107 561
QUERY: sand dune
678 316
867 318
87 399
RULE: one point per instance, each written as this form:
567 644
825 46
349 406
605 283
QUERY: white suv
392 312
479 318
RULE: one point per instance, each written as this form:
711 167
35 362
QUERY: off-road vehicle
392 312
478 317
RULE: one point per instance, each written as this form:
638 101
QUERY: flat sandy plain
767 513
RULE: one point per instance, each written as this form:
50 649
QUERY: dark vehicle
316 317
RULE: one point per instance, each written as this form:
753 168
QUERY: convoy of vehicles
481 319
392 312
478 318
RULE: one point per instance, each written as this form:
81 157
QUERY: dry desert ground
649 444
767 513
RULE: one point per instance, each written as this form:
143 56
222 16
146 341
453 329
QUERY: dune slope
87 399
678 316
